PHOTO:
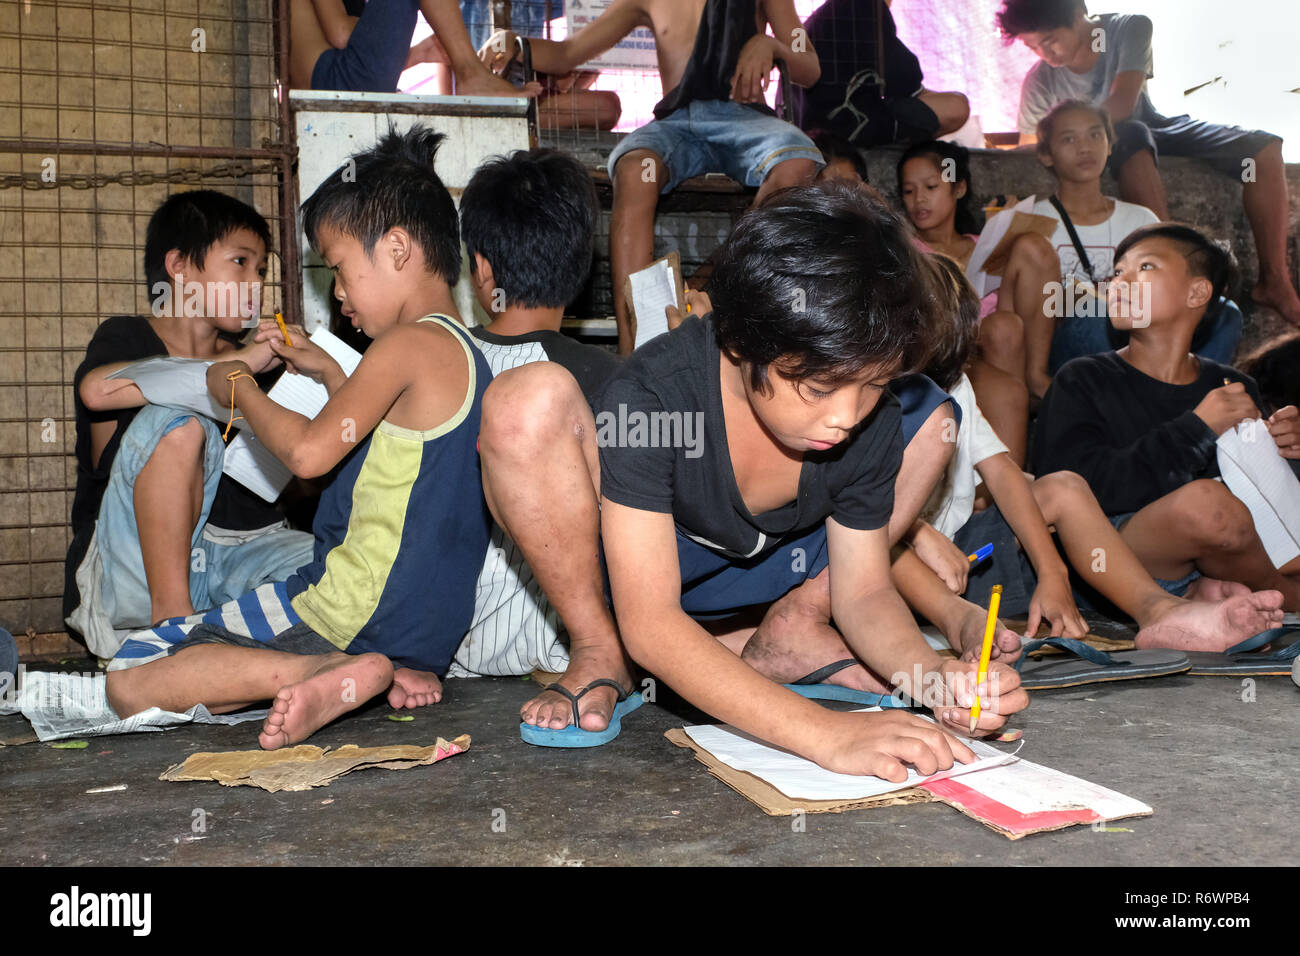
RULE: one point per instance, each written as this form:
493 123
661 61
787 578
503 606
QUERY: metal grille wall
105 110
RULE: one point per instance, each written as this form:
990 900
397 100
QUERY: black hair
1205 258
833 146
1037 16
964 220
823 279
532 216
1047 125
1274 366
191 223
957 322
392 185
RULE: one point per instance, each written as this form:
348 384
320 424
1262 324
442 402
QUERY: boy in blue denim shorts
157 530
714 65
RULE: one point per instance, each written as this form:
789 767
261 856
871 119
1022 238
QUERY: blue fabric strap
1267 637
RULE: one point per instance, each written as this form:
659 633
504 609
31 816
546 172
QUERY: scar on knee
579 430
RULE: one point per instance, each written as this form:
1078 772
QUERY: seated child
712 118
1106 60
157 530
934 182
401 531
1273 367
1074 139
1140 424
868 102
528 222
1025 561
796 473
364 45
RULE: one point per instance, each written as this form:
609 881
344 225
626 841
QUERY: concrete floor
1219 772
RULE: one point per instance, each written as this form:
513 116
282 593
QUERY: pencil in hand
982 674
284 329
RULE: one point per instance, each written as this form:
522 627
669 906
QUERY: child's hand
753 70
1226 405
257 354
1000 696
697 303
942 557
219 378
882 744
304 357
499 50
1053 602
1284 426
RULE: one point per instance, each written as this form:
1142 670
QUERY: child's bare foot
553 710
1277 294
1205 626
412 688
486 83
969 640
341 683
1212 589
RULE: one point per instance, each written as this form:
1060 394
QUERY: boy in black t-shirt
746 452
158 531
1141 424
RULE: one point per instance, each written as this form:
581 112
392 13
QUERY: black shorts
1223 147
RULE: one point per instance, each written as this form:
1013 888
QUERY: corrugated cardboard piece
775 803
304 767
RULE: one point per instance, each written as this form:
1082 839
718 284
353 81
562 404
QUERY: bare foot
486 83
1202 626
1212 589
553 710
969 640
342 683
412 688
1278 295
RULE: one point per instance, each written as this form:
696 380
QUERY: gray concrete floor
1219 772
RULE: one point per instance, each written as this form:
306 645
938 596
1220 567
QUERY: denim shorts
718 136
1177 588
717 585
223 564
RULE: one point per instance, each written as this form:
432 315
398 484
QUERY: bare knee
184 443
638 178
1060 491
1002 334
123 690
527 409
1214 516
792 172
1034 251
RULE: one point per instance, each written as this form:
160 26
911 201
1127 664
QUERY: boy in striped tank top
401 531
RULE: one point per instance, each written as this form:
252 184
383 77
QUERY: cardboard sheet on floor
304 767
1011 796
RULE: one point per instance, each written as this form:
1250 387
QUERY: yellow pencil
284 329
994 600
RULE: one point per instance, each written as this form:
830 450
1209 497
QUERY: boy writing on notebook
819 302
158 530
1141 424
714 62
1020 524
401 531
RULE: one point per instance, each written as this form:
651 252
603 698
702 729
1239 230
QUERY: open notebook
1260 477
650 291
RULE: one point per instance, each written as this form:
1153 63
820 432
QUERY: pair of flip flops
573 735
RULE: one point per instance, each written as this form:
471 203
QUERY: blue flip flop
573 735
1247 660
813 687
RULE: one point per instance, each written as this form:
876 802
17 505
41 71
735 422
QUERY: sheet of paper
654 288
1260 477
176 383
801 779
1032 788
247 460
76 705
